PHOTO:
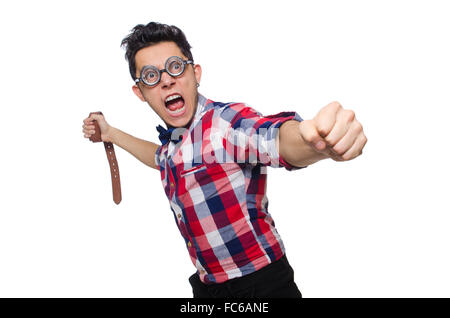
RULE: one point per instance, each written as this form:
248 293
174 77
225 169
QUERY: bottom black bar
221 307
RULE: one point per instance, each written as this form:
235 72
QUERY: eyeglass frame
139 79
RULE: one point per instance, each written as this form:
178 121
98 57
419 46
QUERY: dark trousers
275 280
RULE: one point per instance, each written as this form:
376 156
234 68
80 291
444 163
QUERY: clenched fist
89 128
335 132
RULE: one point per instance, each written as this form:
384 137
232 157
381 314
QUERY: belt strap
111 155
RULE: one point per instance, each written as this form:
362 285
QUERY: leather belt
111 155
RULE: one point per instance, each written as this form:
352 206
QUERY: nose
166 80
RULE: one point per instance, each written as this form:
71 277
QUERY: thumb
310 135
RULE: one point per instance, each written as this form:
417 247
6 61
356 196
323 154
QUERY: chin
180 122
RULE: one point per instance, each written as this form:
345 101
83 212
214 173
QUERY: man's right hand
89 128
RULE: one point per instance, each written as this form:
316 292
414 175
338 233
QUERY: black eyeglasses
150 75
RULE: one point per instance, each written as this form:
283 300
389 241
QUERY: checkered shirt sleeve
249 137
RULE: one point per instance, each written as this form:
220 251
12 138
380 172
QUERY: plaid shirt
215 180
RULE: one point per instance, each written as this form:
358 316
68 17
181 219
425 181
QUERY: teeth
168 99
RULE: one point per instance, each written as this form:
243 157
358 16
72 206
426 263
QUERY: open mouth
175 104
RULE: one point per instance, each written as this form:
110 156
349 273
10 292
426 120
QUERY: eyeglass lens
175 66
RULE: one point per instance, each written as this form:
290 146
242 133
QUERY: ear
138 93
198 72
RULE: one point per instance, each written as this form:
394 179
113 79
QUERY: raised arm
333 133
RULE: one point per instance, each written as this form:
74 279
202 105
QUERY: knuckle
339 150
364 142
330 142
322 129
336 104
358 127
308 131
310 137
350 115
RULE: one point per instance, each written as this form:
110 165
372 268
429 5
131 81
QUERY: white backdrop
376 226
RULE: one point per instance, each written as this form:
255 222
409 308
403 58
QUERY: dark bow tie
165 135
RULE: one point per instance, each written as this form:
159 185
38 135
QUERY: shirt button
172 184
179 215
189 244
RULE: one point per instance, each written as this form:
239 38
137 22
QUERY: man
213 163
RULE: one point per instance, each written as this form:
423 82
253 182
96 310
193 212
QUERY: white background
377 226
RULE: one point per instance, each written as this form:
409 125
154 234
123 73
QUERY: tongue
176 104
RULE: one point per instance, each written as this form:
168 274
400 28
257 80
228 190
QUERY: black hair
142 36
